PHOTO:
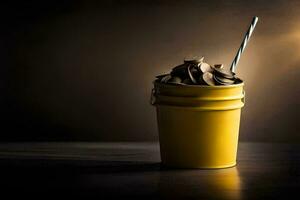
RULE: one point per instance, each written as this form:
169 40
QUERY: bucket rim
155 82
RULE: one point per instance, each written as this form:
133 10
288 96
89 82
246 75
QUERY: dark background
83 70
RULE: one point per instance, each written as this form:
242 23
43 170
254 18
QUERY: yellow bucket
198 125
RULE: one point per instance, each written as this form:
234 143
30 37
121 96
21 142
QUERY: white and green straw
243 45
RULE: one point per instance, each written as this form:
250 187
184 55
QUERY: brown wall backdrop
83 70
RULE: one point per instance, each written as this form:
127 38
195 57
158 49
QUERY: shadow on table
65 167
119 179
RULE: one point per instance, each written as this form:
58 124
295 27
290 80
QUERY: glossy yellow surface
198 125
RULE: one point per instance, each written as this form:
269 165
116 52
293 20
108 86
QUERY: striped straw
243 45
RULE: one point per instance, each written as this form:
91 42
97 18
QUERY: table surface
132 170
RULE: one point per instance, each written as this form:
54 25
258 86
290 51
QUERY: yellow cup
198 125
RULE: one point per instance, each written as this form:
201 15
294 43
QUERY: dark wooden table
132 170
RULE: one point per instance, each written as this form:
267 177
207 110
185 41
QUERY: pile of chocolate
197 72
